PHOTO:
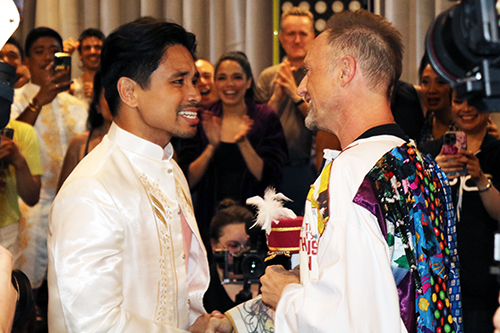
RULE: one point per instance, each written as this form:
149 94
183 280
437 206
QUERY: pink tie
187 234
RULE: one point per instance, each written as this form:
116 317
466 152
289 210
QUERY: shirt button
169 170
189 301
183 256
179 212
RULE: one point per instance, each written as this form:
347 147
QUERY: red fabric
285 236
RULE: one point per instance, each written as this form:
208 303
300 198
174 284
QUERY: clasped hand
284 82
212 127
451 164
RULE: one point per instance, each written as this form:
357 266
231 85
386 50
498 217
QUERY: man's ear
347 69
127 89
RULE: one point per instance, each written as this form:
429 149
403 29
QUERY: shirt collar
137 145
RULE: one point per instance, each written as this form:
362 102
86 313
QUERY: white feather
270 208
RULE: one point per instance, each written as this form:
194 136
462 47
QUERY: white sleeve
86 240
355 291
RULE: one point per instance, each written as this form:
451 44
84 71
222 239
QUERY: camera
7 82
248 266
463 45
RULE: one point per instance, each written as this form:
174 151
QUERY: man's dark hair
242 60
135 50
14 42
40 32
91 32
95 119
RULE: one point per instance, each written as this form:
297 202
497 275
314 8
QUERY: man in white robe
125 253
347 280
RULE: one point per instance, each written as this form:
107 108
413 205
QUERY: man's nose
302 89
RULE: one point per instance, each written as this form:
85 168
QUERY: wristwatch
300 101
34 106
487 188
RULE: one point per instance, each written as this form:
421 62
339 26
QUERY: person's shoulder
368 151
19 126
65 98
78 141
270 71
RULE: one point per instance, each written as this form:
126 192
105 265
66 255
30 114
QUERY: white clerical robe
116 250
346 279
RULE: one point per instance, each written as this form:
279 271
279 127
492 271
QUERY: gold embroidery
166 308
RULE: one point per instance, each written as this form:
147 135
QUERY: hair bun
226 203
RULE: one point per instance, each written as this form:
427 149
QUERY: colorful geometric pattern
415 201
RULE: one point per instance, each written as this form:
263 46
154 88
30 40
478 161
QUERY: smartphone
62 62
453 143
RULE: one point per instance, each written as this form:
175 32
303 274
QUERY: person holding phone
57 118
477 202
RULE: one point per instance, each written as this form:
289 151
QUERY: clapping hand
212 126
245 127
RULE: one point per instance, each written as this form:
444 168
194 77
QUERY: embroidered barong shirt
117 254
350 280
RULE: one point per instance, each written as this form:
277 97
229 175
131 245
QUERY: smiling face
231 83
206 81
468 118
168 107
435 91
90 54
39 57
296 36
234 239
10 54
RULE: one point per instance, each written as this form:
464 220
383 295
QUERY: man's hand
200 324
285 79
274 281
69 45
52 85
10 152
88 89
23 76
219 323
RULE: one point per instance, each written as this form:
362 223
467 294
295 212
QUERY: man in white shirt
125 253
57 118
369 262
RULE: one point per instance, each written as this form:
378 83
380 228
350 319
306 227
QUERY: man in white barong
125 254
357 274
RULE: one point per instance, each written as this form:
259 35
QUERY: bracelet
299 102
487 188
34 106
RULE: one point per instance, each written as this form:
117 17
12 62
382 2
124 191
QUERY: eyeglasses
235 249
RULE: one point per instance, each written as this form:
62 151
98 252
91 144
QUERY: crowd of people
111 184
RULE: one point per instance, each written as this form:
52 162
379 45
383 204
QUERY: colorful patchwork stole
411 198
